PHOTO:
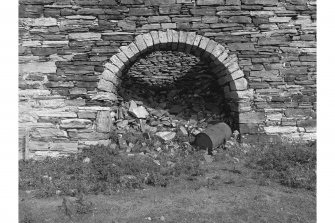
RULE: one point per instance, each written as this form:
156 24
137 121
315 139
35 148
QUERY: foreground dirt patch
225 193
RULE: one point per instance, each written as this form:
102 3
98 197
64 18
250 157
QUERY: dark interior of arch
179 83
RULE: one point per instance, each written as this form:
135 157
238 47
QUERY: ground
228 191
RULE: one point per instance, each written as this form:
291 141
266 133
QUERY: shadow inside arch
194 96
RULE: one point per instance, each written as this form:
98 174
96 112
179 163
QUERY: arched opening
223 65
181 85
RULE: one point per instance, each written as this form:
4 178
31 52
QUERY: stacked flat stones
161 69
66 45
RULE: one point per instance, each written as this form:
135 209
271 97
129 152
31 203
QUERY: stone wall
161 69
63 45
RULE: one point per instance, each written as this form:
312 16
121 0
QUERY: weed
107 170
292 165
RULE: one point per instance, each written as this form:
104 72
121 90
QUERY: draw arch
223 64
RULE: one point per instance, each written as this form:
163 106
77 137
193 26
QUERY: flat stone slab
166 136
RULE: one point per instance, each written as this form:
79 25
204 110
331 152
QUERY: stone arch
223 64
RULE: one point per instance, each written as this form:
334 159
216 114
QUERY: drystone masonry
161 69
73 54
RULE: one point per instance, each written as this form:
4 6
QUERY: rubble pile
164 109
166 113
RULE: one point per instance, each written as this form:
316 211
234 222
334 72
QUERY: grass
104 170
110 170
292 165
107 170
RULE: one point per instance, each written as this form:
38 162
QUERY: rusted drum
213 136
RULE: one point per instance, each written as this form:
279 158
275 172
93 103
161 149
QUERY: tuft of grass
107 170
292 165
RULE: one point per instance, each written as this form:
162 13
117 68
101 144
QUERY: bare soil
227 192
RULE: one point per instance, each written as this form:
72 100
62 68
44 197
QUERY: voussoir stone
115 60
140 43
210 47
189 41
227 78
232 67
155 38
110 76
203 43
230 60
106 86
148 40
239 84
202 46
182 41
122 56
175 39
236 74
127 51
113 68
196 43
169 37
217 51
162 38
134 48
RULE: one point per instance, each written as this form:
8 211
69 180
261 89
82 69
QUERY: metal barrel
213 136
